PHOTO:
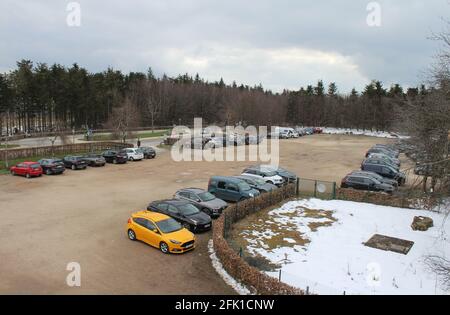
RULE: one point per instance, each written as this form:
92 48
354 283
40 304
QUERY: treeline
39 97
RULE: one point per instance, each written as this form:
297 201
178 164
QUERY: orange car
160 231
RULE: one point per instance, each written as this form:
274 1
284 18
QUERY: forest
36 97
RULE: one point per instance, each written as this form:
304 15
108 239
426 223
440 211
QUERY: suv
257 183
361 182
385 171
383 151
288 176
149 152
377 177
203 200
379 162
75 162
134 154
94 160
266 174
52 166
386 158
184 212
231 189
115 157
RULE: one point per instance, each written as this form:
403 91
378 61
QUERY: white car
267 175
134 154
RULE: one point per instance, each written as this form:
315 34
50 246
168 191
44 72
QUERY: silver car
203 200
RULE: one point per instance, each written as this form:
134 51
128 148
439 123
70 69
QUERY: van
231 189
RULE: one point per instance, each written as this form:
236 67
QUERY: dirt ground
80 216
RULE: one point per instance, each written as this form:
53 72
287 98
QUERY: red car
27 169
318 130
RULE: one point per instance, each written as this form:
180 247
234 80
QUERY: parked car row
53 166
169 224
380 171
289 133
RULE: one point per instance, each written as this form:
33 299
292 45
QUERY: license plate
207 225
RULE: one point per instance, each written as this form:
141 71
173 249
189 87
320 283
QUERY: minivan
231 189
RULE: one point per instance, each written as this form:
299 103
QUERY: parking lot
80 216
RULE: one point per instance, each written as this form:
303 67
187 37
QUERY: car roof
175 202
154 216
194 190
228 178
29 163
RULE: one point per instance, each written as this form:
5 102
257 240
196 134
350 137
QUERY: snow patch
239 288
362 132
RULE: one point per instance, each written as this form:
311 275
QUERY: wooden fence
56 150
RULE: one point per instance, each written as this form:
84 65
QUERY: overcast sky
281 44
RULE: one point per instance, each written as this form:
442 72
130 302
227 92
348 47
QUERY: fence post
279 276
297 187
334 190
315 189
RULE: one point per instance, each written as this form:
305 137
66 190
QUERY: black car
75 162
380 162
149 152
184 212
383 151
94 160
52 166
362 182
115 157
385 171
380 178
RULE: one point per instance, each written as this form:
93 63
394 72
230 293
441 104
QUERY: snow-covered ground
361 132
335 260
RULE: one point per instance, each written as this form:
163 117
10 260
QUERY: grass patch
141 135
9 146
270 231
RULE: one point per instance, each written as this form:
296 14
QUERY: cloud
281 44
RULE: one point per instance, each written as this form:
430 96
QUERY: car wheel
74 167
164 247
131 235
48 172
115 161
13 173
28 176
131 159
272 183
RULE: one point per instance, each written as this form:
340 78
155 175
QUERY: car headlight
193 221
175 242
251 195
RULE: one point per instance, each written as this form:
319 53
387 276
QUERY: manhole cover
388 243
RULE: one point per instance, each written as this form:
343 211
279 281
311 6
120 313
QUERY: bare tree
123 118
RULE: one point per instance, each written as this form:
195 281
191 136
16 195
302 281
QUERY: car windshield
35 166
168 225
188 209
259 181
206 196
243 186
140 150
269 173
